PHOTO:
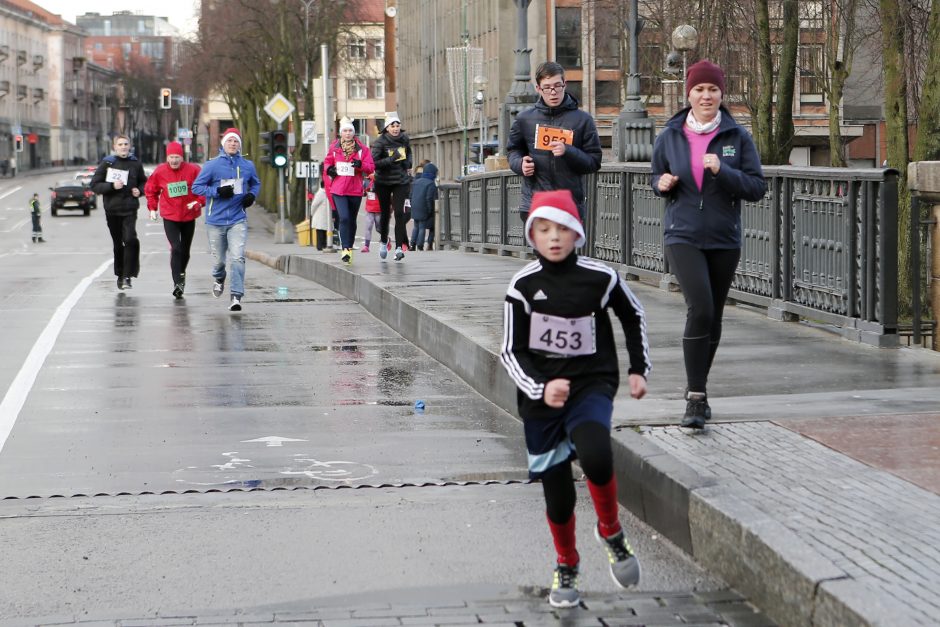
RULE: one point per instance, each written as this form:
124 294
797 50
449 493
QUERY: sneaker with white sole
564 591
399 254
624 565
383 249
236 304
217 288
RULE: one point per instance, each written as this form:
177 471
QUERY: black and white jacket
575 288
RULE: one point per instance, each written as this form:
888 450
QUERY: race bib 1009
562 337
175 190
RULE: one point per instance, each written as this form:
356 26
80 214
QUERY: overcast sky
180 13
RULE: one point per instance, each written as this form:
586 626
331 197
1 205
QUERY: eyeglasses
553 89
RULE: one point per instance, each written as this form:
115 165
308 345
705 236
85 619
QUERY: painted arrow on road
274 440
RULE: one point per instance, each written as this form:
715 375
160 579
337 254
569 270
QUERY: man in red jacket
170 188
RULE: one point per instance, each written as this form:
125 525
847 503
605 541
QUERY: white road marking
17 225
21 386
14 190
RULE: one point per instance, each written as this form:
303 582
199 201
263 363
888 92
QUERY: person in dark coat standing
391 153
553 144
704 165
120 181
423 195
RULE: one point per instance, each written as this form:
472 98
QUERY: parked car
71 194
85 174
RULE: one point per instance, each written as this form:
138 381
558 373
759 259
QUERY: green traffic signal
279 148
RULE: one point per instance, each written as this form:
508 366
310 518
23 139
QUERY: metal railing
820 245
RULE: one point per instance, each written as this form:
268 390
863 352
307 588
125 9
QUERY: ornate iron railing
820 245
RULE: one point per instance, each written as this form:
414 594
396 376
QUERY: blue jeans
229 240
418 233
348 209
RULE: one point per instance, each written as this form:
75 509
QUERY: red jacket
174 202
347 185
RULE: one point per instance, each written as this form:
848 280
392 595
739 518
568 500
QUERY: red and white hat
557 206
232 132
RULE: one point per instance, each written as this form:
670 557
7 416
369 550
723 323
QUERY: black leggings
393 196
705 277
592 442
180 236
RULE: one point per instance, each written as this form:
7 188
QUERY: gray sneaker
565 587
217 288
236 304
624 566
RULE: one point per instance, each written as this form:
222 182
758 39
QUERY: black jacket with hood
582 157
389 170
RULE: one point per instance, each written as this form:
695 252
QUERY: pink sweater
698 146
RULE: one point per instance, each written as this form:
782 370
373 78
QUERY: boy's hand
557 148
556 392
528 166
637 386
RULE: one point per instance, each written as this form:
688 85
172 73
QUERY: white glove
193 205
153 216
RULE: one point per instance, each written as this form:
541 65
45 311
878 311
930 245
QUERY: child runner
373 212
558 347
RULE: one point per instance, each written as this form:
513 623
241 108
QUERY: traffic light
18 143
166 98
279 148
266 147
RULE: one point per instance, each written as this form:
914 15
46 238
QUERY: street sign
279 108
184 133
307 170
308 131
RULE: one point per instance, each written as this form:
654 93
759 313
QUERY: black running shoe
695 407
127 283
178 291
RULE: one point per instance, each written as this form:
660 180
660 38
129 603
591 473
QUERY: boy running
558 347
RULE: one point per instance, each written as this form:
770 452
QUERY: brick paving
867 522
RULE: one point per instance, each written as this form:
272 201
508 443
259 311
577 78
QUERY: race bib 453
562 337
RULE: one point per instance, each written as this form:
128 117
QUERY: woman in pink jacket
347 161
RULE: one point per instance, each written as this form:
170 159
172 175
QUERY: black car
71 194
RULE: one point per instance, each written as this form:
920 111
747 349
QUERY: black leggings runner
705 277
393 196
180 236
592 441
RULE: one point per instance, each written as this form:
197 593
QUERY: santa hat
174 148
704 72
557 206
346 123
390 117
232 132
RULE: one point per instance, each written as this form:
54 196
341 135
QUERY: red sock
564 538
605 504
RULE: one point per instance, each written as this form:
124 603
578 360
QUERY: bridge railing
820 245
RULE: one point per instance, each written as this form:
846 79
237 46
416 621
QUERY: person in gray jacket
553 144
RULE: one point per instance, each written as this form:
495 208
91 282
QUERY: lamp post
480 82
684 38
635 130
522 94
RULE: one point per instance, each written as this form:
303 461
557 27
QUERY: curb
785 577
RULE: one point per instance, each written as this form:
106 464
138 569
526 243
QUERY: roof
35 11
366 11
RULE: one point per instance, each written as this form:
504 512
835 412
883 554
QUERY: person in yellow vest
35 211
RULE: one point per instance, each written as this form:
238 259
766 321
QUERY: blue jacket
565 172
226 211
423 194
710 218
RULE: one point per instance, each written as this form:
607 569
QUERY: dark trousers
393 197
348 209
123 231
705 277
37 224
592 441
180 237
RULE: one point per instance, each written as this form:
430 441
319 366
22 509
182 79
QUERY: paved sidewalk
792 494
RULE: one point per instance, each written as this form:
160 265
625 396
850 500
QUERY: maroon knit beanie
704 72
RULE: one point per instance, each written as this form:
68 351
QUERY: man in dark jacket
423 195
553 144
120 181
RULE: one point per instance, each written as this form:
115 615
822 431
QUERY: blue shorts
548 440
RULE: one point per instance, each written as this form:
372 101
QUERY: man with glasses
553 144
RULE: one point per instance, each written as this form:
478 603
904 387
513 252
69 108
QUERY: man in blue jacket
230 184
553 144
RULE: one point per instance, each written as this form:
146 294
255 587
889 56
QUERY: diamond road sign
279 108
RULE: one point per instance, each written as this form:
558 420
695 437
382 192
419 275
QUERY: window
607 43
357 89
811 14
812 70
650 61
574 88
737 72
357 49
378 49
607 93
568 36
380 88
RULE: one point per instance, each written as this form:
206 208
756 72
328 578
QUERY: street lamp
635 131
480 82
684 38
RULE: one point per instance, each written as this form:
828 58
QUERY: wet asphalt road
159 454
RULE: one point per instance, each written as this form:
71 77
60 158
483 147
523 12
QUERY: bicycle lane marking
22 384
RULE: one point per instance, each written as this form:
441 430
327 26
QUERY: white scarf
702 129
